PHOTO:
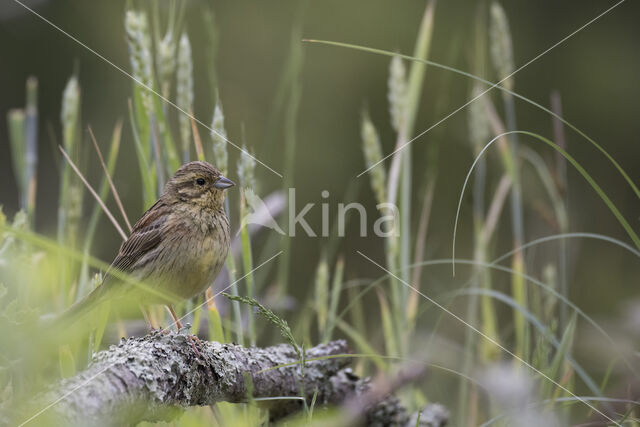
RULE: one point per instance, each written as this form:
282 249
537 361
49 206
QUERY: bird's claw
184 329
193 340
158 330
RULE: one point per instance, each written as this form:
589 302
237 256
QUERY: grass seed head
373 154
219 136
246 168
397 93
479 126
166 61
140 53
184 77
501 45
70 106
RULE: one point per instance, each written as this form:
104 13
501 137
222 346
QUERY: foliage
513 329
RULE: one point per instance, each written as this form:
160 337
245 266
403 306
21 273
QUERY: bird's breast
198 252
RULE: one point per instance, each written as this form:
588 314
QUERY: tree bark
155 377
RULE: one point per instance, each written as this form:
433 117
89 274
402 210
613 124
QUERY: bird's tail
79 309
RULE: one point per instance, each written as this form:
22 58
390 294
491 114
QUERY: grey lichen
155 377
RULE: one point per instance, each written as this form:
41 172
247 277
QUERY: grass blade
622 172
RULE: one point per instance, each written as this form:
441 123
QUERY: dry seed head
70 102
140 53
246 167
397 93
218 136
166 58
479 126
184 77
372 155
501 45
70 112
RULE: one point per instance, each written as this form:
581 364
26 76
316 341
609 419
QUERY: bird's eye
200 181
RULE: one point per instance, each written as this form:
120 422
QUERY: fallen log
156 377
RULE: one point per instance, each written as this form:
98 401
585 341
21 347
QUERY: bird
175 250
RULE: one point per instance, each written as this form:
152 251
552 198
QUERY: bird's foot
183 329
193 340
159 329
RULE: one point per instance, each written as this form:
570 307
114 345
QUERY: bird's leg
147 318
176 319
192 338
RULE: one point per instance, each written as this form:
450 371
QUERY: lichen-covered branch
155 377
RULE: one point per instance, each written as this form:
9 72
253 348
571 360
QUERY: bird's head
199 183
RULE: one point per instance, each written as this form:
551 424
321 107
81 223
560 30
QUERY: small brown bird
176 249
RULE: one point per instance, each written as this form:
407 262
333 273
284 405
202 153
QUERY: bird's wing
145 236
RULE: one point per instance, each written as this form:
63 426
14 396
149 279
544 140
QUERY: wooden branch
155 377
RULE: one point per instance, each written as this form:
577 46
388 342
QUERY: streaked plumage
176 248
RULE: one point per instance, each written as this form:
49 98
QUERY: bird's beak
223 183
